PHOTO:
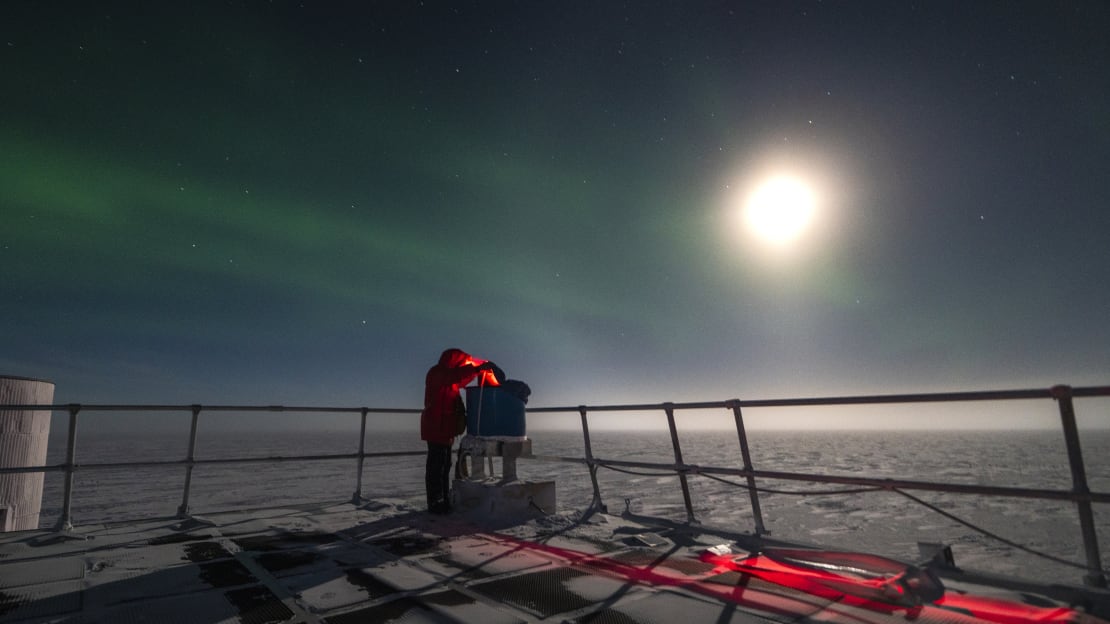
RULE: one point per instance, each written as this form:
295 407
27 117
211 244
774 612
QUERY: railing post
596 504
183 508
1095 576
669 407
356 499
65 523
745 453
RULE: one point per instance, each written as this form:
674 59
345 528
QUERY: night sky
270 203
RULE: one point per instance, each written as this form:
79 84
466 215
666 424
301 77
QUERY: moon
780 209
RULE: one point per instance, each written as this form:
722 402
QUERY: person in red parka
439 422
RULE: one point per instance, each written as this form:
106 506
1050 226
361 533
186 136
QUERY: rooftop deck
390 561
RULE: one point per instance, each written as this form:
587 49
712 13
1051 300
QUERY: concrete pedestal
493 500
480 449
480 493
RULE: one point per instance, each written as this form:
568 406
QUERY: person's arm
462 375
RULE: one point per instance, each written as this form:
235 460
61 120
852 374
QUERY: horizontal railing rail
108 407
71 465
878 484
262 459
932 397
1079 494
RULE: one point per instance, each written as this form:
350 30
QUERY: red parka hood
453 358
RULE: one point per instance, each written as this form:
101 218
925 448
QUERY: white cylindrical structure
23 438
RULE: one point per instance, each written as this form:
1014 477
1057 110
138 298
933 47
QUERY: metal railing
1079 494
71 466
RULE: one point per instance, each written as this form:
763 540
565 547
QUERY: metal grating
408 545
284 560
226 574
608 616
283 540
205 551
402 610
258 605
543 593
39 602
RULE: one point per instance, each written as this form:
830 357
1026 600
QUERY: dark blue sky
253 202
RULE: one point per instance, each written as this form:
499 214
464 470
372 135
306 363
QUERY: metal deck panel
324 592
21 573
480 556
669 607
542 594
463 608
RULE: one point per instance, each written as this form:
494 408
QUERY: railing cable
931 507
989 534
639 474
764 490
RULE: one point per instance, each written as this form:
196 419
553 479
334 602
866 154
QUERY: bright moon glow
780 209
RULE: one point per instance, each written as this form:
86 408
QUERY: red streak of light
827 599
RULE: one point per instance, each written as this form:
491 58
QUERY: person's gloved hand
497 372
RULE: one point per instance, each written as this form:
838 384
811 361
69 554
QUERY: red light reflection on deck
835 600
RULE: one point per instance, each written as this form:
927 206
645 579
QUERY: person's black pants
437 475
